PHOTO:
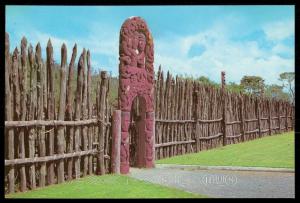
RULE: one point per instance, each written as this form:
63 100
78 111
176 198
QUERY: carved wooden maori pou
136 80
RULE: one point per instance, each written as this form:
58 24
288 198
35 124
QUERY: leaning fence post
224 108
116 142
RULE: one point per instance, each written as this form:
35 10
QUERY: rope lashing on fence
48 131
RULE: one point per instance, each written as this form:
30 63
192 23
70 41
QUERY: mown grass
107 186
272 151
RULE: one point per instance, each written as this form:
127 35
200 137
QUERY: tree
276 91
206 81
253 85
233 87
287 79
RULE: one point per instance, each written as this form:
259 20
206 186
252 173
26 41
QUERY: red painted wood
136 79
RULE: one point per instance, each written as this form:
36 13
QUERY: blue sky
192 40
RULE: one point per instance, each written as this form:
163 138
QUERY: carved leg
124 165
150 137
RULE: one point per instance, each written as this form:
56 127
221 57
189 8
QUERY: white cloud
277 31
281 48
237 58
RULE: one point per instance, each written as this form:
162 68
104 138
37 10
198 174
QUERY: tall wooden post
242 117
116 142
257 102
50 109
69 112
224 108
286 116
31 116
9 116
197 130
101 116
270 117
61 114
84 113
78 110
23 91
89 106
278 113
40 102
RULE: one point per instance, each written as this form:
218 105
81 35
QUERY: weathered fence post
242 117
32 103
257 103
23 91
69 112
61 114
116 142
84 117
270 117
15 91
78 111
278 114
41 133
50 108
224 108
161 113
197 130
9 116
101 116
157 109
90 110
286 116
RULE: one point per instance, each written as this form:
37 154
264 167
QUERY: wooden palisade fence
46 143
192 117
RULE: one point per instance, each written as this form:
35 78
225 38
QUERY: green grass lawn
107 186
272 151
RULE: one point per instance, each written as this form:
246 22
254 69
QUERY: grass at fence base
107 186
271 151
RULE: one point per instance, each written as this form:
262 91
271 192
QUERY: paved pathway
222 183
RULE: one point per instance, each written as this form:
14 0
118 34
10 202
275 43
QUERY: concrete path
222 183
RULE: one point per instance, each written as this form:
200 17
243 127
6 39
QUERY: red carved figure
136 80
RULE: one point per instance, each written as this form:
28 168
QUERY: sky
188 40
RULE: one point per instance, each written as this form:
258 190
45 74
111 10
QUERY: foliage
276 91
235 88
253 85
288 79
206 81
271 151
107 186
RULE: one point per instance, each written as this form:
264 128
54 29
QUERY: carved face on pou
142 43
